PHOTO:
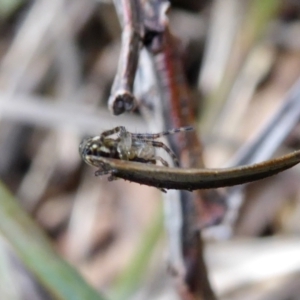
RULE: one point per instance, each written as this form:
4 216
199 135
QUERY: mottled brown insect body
137 147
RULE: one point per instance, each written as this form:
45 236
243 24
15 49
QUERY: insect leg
162 160
102 172
152 136
167 149
115 130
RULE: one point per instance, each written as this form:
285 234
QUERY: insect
138 147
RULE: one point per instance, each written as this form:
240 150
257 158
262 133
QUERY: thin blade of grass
35 251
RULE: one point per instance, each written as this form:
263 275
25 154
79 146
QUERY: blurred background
58 60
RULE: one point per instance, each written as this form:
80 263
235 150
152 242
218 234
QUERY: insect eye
83 147
88 151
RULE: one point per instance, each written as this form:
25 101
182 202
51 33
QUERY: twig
122 98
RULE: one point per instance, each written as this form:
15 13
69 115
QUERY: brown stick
201 207
122 98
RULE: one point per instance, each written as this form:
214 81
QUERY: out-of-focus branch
54 114
178 111
257 19
271 136
260 148
38 38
